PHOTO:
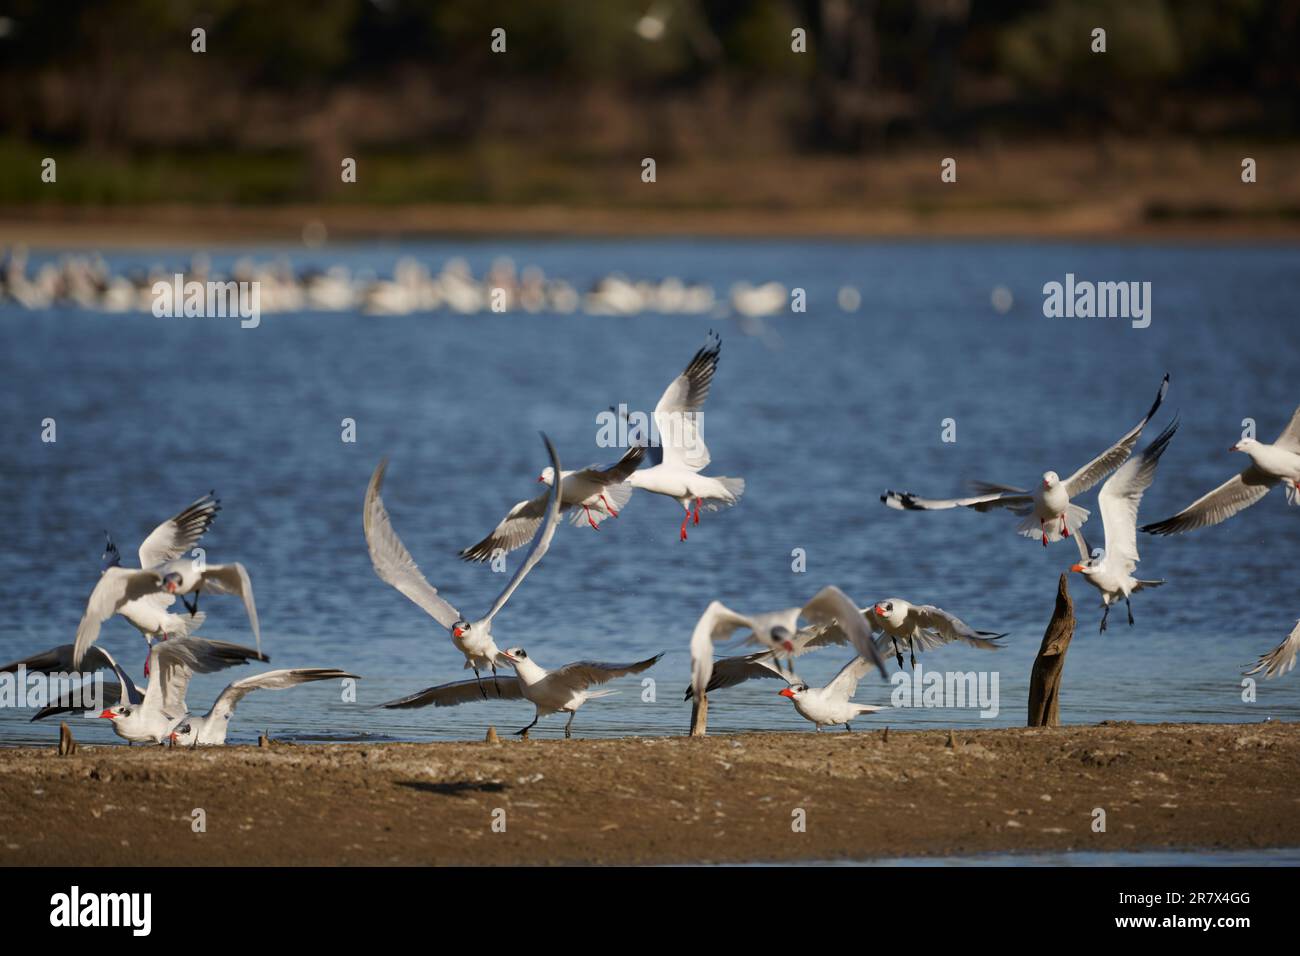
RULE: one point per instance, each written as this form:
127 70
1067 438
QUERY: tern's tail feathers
868 709
732 489
592 695
1143 585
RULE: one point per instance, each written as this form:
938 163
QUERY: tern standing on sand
395 566
151 715
563 690
1269 466
682 454
1048 510
1119 498
830 705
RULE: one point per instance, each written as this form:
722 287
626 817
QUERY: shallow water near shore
819 418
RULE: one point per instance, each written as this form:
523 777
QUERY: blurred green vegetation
414 91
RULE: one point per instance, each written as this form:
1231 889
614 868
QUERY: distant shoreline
104 228
726 798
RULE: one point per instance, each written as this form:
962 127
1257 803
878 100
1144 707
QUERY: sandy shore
658 800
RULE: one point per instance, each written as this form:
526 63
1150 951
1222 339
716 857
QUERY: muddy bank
657 800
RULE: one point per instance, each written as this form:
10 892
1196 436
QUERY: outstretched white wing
233 579
515 530
717 623
678 416
1281 658
845 684
1116 454
392 562
180 533
541 542
830 604
114 588
272 680
1015 501
948 627
1120 497
582 674
1290 437
1236 494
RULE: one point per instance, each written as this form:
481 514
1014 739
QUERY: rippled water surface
819 419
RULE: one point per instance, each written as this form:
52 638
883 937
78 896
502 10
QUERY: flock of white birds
670 461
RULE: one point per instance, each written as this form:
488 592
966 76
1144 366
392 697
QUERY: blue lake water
819 420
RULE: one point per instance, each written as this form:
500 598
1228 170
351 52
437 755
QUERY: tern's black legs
911 647
192 608
847 727
495 682
1129 605
567 732
898 652
524 732
1104 614
479 677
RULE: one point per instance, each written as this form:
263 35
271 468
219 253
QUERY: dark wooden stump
700 716
1045 680
67 745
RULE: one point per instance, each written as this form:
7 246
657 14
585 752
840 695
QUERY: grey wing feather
275 680
180 533
461 692
515 530
730 671
619 470
393 563
1236 494
596 672
906 501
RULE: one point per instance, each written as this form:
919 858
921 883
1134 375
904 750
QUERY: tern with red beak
777 631
681 454
594 494
1270 465
1111 573
922 626
832 704
394 565
149 716
1048 511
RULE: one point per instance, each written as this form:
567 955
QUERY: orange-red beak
788 693
107 715
879 610
1076 567
456 632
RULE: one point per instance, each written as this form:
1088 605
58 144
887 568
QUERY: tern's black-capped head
171 582
459 628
